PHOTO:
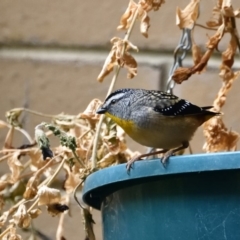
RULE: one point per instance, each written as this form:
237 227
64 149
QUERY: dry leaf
130 63
229 53
108 66
143 7
218 138
228 11
149 5
35 156
90 112
145 25
35 213
12 235
186 18
197 55
15 166
72 180
48 195
13 115
3 218
119 55
127 17
181 74
31 187
215 39
21 218
216 20
56 208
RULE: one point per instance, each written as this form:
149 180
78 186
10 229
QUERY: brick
88 24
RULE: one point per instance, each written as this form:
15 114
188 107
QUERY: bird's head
117 104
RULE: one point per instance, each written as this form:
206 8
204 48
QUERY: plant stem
95 143
78 159
206 27
38 113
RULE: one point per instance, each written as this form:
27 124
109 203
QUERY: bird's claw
130 163
165 158
129 166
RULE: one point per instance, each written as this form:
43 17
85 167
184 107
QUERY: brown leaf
108 66
143 7
128 15
3 218
197 55
130 63
149 5
216 19
56 209
15 166
215 39
35 156
228 78
187 17
181 74
119 55
90 111
48 195
199 67
72 180
21 218
31 187
12 235
218 138
228 54
227 9
34 213
145 25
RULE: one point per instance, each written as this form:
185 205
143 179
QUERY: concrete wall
52 52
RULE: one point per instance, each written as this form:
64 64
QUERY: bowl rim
102 183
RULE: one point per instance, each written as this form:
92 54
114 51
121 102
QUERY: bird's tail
209 114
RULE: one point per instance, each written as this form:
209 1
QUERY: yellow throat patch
126 125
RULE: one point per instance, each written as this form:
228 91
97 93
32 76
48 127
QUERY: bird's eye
113 101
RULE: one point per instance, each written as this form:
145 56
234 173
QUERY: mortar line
95 57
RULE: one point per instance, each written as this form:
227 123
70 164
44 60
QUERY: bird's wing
179 108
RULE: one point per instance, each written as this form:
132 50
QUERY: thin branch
38 113
110 89
206 27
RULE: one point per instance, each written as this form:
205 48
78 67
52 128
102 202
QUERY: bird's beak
101 110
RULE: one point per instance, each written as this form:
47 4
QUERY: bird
155 119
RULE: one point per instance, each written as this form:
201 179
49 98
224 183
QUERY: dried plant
218 137
87 141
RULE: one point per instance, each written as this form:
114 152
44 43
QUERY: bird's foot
166 157
130 163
